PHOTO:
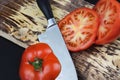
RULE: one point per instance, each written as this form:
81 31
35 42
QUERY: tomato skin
109 28
80 23
50 68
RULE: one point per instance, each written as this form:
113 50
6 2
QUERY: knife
52 36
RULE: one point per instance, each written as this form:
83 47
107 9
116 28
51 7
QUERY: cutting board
21 21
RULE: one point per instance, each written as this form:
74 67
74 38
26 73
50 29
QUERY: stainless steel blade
54 39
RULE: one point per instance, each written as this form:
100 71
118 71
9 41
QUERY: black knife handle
45 7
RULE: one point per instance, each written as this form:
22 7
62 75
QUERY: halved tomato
79 28
109 28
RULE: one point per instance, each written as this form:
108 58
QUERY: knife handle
45 7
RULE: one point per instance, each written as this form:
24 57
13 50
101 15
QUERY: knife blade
52 36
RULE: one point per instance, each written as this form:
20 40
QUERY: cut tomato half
109 28
79 28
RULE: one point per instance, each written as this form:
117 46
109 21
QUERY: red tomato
79 28
109 28
39 63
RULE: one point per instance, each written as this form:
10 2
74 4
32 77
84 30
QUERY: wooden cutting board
21 21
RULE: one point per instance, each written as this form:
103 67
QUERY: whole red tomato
39 63
109 28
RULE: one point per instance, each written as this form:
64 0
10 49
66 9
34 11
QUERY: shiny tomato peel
48 68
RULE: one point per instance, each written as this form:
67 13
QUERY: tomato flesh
79 28
109 28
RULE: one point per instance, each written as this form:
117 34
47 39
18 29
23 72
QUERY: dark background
92 1
10 55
